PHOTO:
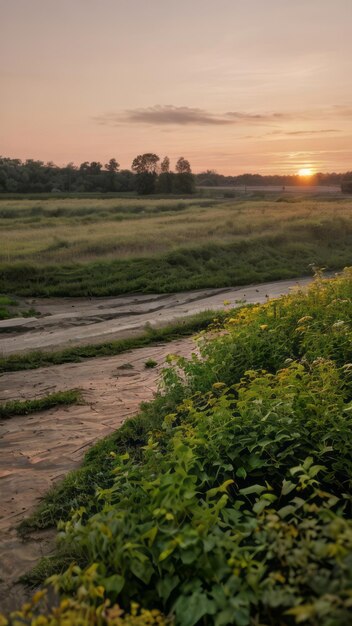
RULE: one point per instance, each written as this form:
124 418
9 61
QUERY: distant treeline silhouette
148 175
211 178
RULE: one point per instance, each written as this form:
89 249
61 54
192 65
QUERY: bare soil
38 450
75 321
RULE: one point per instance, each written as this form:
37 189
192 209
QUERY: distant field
100 246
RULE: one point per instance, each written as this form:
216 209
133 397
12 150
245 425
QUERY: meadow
107 246
227 500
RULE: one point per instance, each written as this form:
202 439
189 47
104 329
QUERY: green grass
87 247
6 307
26 407
227 500
245 262
76 354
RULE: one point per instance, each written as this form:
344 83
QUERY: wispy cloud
170 115
302 133
257 118
165 114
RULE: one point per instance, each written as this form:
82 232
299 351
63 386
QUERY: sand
38 450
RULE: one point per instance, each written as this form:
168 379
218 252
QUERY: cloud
170 115
165 114
302 133
261 118
313 132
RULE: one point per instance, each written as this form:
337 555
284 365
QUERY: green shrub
234 505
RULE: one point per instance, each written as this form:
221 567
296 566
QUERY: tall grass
89 247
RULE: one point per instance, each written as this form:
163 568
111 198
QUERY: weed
25 407
150 363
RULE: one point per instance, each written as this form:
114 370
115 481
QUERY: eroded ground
73 321
38 450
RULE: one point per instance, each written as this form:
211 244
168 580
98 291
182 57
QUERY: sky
233 85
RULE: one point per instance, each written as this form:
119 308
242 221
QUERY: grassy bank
76 354
26 407
226 501
101 247
245 262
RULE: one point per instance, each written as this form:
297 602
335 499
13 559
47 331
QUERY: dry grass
86 230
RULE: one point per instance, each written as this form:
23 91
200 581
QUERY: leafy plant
233 506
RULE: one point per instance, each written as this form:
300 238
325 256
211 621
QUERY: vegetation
81 613
25 407
150 363
227 500
32 176
107 247
346 185
211 178
6 307
181 328
9 309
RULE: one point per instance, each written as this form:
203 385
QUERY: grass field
95 246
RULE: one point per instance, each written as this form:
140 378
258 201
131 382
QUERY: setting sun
305 171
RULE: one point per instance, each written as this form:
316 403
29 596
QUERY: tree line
210 178
148 174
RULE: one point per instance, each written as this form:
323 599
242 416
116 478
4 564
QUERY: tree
145 166
165 165
112 166
183 166
145 163
111 183
346 184
184 179
166 178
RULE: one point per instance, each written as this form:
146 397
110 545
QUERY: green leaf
143 571
260 505
247 491
113 584
165 553
190 609
221 489
286 510
287 487
166 585
241 472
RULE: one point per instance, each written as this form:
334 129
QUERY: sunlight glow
305 171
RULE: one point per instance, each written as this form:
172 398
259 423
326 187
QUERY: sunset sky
234 85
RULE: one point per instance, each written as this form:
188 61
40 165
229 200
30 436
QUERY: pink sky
233 85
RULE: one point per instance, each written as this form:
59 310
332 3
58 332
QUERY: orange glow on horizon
305 172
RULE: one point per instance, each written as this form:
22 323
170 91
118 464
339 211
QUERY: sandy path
73 321
38 450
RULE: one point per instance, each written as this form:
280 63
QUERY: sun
305 171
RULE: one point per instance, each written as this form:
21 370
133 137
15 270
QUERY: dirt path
73 321
38 450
